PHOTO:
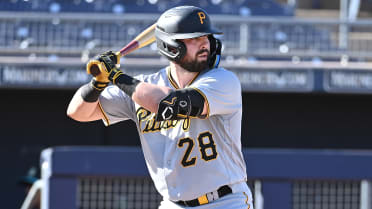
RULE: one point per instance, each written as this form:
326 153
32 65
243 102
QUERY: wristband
126 83
91 91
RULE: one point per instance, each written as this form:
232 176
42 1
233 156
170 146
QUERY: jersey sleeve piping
105 118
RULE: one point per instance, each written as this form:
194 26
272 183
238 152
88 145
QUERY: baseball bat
145 38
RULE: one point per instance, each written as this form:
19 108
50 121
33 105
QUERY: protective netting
117 193
326 194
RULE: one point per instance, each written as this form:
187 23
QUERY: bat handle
133 45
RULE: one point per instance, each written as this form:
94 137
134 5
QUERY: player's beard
194 65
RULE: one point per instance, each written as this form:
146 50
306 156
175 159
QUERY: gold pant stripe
246 201
203 199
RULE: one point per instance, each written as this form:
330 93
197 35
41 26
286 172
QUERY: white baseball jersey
187 158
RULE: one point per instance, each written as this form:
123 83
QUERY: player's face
197 57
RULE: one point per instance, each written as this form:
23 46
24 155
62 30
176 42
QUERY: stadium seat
230 7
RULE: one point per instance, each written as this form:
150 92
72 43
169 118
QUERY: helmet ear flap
180 50
215 55
174 50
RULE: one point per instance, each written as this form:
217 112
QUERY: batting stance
188 114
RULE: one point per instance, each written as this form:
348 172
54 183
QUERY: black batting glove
110 69
114 57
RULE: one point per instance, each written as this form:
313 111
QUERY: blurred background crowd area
234 7
314 8
47 30
304 66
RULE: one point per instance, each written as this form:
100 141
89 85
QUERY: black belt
222 191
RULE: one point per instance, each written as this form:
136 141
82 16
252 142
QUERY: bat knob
93 69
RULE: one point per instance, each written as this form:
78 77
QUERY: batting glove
114 57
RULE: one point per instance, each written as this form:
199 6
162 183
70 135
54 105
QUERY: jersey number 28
207 148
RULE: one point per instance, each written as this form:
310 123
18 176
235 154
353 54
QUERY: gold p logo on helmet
201 17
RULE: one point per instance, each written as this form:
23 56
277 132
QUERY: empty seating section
233 7
286 37
69 26
66 35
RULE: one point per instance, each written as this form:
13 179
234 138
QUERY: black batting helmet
185 22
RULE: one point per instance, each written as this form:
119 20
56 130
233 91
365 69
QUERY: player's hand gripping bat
145 38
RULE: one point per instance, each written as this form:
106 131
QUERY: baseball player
188 114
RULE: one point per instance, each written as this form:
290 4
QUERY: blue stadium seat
291 37
242 7
268 8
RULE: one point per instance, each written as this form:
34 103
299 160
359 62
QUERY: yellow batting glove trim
90 64
119 72
102 74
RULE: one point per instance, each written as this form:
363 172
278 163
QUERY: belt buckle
203 199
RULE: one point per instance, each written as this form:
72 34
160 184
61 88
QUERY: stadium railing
33 196
117 178
73 34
